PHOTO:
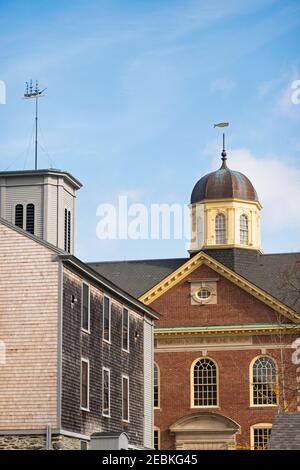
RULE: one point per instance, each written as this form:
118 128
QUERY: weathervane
34 93
224 154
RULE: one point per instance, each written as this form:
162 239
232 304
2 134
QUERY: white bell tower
42 202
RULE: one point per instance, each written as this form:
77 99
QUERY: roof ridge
137 260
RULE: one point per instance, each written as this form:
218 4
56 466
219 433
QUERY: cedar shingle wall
77 344
28 327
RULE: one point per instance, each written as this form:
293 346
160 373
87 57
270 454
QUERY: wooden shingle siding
28 327
77 344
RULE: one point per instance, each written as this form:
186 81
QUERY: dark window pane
125 329
156 439
106 392
19 215
85 307
30 218
69 231
156 386
66 231
84 384
106 319
125 398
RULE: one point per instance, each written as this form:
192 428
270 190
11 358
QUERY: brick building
76 350
229 316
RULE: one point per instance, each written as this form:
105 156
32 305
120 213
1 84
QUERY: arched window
205 386
30 218
244 230
264 381
220 228
19 214
156 383
67 231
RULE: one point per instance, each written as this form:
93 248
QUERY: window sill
215 407
125 350
85 409
106 341
105 416
263 406
83 330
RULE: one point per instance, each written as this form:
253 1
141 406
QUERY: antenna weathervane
35 93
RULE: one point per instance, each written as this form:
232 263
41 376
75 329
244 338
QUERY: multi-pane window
125 329
205 391
84 396
106 392
261 437
244 230
220 229
85 307
19 214
156 379
30 218
156 439
125 398
264 381
106 318
67 231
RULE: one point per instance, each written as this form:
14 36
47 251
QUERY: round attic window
203 294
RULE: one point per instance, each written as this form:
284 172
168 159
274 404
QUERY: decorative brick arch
205 431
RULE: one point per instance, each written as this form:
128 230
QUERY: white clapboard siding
28 327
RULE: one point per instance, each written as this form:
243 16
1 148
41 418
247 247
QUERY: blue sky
134 88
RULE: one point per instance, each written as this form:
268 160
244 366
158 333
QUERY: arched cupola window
220 229
244 230
19 214
264 381
30 218
204 383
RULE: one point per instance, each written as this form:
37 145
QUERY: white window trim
125 377
109 331
105 369
88 384
257 426
89 308
125 349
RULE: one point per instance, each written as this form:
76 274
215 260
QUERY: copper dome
222 184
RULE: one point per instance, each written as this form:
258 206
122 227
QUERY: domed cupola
224 184
225 211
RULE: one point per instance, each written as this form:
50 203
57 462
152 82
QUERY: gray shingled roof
285 434
136 277
277 274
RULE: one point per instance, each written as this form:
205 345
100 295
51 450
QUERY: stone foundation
38 442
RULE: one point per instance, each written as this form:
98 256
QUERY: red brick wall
234 306
234 393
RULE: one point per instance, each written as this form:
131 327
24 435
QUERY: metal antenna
34 94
